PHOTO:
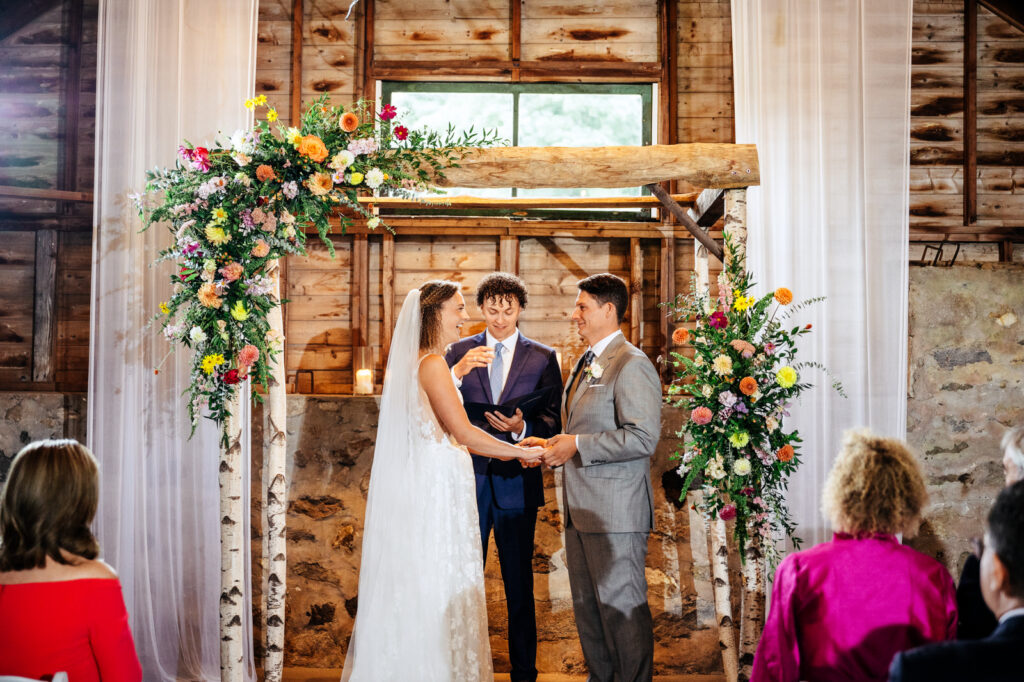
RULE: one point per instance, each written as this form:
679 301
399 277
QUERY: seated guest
842 609
997 657
976 621
61 608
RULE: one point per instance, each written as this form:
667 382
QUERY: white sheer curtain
823 89
168 70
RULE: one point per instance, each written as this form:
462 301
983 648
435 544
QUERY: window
536 115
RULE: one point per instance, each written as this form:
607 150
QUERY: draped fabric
168 70
823 89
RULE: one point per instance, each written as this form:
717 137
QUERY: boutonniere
593 371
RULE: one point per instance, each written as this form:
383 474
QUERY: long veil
389 578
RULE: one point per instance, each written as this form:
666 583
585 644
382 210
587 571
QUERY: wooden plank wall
937 118
706 111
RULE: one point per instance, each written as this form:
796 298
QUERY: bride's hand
531 456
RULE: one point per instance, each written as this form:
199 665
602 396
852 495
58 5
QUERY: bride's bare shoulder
432 366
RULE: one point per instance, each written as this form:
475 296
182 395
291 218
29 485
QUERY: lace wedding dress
422 612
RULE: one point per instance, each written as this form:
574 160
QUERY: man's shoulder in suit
459 348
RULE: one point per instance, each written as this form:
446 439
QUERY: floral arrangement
737 388
238 206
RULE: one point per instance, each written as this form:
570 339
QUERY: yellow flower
217 235
723 364
249 104
164 309
272 115
239 312
293 135
211 361
741 302
261 100
786 376
739 439
219 215
356 178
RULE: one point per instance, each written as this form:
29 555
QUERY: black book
530 404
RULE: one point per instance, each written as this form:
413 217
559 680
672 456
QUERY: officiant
512 388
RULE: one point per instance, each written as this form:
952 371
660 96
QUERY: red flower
231 376
183 273
401 132
718 320
808 326
388 112
727 512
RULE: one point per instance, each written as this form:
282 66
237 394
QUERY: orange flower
748 386
783 295
264 173
208 296
319 184
785 453
680 336
261 249
349 122
313 147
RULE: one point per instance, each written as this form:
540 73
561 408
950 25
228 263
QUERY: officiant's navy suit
507 494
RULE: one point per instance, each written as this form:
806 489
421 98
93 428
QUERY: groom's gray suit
609 508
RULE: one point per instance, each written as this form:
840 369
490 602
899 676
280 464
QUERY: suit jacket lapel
568 387
604 360
519 360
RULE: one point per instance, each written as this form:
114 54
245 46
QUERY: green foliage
236 208
737 389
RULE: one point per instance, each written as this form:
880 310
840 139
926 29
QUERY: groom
611 410
496 366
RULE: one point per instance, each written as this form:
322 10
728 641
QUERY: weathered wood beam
970 111
667 293
71 95
296 67
1006 251
510 226
515 36
708 208
519 203
370 75
698 232
707 165
46 221
44 194
43 318
529 71
1010 11
508 254
17 15
636 290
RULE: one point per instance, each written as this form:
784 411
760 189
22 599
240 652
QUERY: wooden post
296 74
275 440
668 294
369 84
360 298
515 33
387 290
232 559
970 112
44 319
508 254
636 291
699 233
71 95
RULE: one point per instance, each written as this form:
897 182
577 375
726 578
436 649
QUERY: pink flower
701 415
718 320
727 512
388 112
232 271
248 355
201 159
401 132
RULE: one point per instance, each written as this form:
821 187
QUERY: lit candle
364 381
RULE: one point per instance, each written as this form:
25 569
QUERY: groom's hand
533 442
561 449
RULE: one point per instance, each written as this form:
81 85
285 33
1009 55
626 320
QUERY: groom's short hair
606 287
502 286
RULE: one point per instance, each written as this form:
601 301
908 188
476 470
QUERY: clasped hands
557 450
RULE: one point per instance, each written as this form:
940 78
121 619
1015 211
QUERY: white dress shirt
1012 613
508 352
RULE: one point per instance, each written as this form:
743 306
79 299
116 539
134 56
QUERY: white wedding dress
422 612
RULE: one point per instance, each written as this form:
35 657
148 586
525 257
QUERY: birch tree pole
232 542
752 622
277 498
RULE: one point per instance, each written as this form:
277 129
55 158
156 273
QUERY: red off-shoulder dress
75 626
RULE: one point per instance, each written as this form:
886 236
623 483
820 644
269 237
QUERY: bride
422 613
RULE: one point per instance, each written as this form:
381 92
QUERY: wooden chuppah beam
713 166
699 234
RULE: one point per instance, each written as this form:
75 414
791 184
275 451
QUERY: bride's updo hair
433 294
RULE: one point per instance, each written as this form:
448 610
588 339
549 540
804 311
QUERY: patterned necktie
497 368
588 358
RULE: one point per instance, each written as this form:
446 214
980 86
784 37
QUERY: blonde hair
875 486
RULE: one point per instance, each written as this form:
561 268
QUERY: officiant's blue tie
497 373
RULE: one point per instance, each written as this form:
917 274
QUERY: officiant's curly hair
47 505
433 294
501 286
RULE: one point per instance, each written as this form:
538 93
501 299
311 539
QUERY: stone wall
34 416
966 386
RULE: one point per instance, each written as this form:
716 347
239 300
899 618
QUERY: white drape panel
168 70
823 89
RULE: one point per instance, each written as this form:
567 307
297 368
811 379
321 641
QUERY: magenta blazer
843 609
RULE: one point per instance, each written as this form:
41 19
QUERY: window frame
646 91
